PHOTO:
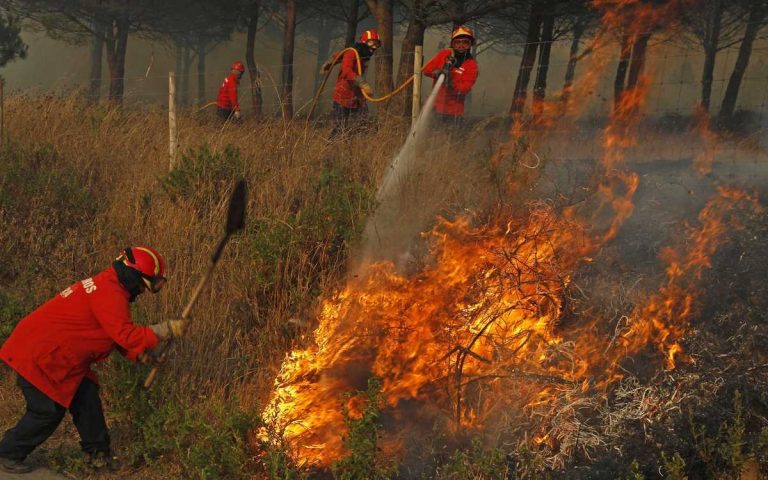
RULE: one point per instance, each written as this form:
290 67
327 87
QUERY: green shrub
201 175
363 459
476 462
293 254
634 472
207 437
674 466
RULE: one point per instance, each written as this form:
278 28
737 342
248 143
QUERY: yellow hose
359 72
206 106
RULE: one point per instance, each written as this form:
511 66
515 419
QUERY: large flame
484 331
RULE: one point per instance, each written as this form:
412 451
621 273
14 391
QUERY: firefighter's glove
327 66
148 357
364 86
237 115
169 329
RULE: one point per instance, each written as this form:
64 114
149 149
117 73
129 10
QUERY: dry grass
118 160
105 189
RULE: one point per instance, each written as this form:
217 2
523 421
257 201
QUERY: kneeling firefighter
460 70
53 348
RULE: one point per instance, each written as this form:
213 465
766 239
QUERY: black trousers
449 121
341 119
43 415
224 113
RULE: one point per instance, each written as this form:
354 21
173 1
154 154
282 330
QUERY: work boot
10 465
100 460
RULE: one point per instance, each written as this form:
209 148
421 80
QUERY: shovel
235 222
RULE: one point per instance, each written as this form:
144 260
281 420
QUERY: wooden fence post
416 106
172 119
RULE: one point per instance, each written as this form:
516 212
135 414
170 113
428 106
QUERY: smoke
401 198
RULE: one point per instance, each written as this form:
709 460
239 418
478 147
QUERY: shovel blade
237 204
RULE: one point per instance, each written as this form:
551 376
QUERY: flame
486 307
666 316
480 332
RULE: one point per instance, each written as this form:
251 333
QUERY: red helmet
238 65
370 36
149 263
462 32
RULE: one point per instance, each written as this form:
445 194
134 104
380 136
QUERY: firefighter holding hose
348 94
53 348
460 70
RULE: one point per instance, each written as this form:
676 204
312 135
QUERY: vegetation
96 179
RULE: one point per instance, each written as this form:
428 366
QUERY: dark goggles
154 284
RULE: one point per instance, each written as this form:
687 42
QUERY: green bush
208 438
201 175
292 254
476 462
363 459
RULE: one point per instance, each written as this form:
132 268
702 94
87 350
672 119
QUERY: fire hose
359 72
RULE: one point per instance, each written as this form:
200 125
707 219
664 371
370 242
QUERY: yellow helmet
462 32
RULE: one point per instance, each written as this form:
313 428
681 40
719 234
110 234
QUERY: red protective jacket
345 93
227 97
54 346
450 101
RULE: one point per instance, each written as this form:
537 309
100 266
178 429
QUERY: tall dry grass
119 159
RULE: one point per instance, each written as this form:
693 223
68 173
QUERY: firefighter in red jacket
348 99
53 348
460 70
227 105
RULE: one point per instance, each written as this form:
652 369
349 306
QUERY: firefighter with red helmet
227 105
460 70
53 348
348 98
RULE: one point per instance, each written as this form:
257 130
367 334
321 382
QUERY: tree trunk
97 53
186 66
621 70
253 69
352 20
540 84
201 73
526 63
323 47
382 10
573 58
637 64
117 45
711 44
414 35
754 23
289 35
179 57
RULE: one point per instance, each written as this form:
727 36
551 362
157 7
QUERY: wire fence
673 97
675 84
